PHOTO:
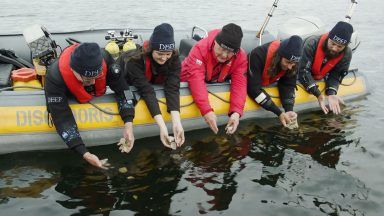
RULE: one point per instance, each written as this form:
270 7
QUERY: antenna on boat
270 13
348 17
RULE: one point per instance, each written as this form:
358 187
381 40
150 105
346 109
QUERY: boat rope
181 106
354 79
103 110
349 84
218 97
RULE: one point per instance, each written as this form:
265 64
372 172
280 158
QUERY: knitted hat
87 60
341 33
162 38
291 48
230 37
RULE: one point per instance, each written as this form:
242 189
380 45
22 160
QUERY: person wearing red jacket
218 58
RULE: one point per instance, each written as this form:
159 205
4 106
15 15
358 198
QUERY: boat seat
185 46
5 75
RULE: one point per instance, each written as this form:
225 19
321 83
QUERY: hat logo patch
227 47
339 40
199 62
93 73
167 46
294 58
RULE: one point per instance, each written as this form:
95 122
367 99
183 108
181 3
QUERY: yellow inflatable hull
24 126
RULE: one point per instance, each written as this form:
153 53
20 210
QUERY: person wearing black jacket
275 62
327 56
82 72
157 62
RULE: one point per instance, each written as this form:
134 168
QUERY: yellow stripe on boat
21 119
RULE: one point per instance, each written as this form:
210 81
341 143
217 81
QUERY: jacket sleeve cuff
288 107
235 111
330 91
127 115
276 110
80 149
315 91
203 112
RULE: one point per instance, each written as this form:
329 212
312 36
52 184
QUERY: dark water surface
333 165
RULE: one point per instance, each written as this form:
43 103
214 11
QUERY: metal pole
261 31
348 17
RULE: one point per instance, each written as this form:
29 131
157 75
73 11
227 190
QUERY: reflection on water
264 166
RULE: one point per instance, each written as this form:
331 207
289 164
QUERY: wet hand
321 100
165 138
94 161
284 119
232 124
126 143
210 118
293 117
334 102
178 132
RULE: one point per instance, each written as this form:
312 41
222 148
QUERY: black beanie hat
230 37
162 38
291 48
341 33
87 60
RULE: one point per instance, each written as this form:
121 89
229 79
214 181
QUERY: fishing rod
270 13
348 17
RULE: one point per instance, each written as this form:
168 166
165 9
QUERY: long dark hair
143 52
275 66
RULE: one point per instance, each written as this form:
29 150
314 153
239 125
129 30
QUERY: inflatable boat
23 115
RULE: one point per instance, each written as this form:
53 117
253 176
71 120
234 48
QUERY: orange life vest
74 85
319 71
266 79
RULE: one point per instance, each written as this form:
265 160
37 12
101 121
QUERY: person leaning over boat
275 62
157 62
82 71
327 56
214 59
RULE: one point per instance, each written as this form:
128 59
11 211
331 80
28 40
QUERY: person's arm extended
137 76
239 85
254 87
305 67
118 84
172 85
286 86
196 80
62 116
337 74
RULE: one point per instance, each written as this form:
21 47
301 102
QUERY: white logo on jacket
55 99
199 62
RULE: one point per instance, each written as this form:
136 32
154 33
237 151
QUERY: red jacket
193 71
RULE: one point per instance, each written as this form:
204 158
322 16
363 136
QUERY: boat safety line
349 84
103 110
354 79
181 106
